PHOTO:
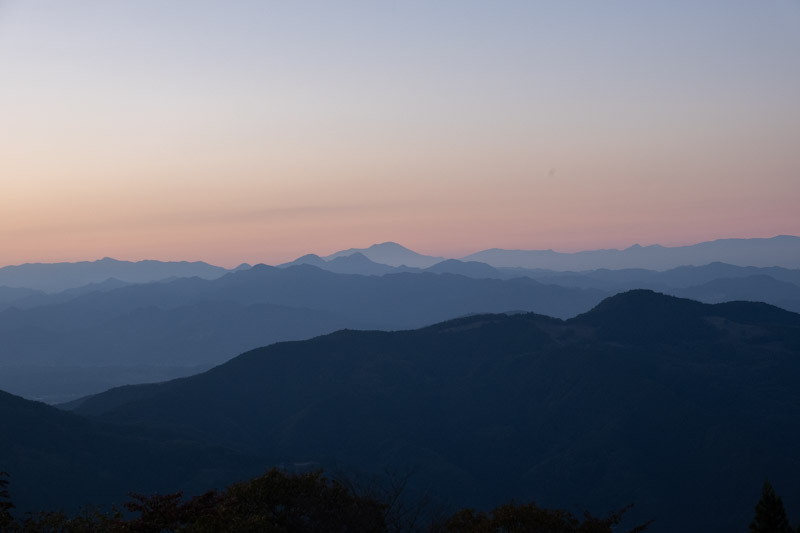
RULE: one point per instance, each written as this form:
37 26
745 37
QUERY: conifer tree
5 503
770 515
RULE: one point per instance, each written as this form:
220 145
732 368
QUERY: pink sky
254 132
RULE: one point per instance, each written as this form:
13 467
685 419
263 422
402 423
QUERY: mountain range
680 407
63 345
392 254
578 392
712 283
143 328
54 277
780 251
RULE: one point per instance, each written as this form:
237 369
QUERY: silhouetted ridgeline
783 250
681 407
390 253
53 277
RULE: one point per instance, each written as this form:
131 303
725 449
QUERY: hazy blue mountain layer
610 281
783 250
713 283
54 347
355 263
54 277
392 254
191 321
675 278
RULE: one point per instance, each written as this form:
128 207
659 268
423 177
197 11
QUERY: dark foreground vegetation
283 502
278 501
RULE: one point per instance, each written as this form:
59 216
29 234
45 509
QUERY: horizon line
358 250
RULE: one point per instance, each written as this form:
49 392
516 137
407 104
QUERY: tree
770 515
523 518
303 503
281 502
163 512
276 502
5 503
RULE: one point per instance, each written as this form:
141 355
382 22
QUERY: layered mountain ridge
646 398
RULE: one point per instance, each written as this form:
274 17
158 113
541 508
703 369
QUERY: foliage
89 521
167 512
5 503
278 502
770 515
526 518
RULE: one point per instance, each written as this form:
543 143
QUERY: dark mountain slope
679 406
60 460
646 317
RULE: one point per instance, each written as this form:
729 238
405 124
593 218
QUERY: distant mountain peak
307 259
55 277
356 257
638 297
390 253
637 304
643 315
389 244
638 247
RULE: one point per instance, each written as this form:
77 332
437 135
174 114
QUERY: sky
255 131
